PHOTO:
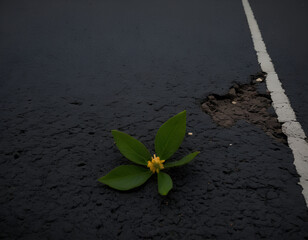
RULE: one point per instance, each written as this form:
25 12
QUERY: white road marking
290 126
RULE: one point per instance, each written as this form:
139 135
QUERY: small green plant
167 141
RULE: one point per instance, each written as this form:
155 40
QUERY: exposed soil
244 102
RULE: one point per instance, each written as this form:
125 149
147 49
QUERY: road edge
286 115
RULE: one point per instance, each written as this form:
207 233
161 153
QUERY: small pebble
233 102
190 133
259 80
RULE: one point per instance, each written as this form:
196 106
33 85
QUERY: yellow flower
156 164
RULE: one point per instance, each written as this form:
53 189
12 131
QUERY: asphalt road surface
284 29
70 71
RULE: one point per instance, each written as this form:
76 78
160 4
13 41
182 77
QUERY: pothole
244 102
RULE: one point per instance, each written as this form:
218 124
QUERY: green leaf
131 148
164 183
170 136
183 161
126 177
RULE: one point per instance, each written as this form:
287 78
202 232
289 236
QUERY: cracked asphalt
71 71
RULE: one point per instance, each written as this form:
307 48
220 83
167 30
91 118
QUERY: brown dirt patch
244 102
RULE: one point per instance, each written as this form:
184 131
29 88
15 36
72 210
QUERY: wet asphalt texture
73 70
